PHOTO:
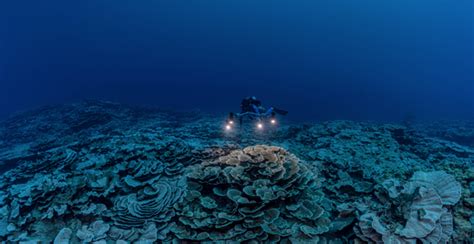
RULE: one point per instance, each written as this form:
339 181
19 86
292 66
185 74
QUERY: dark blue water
326 59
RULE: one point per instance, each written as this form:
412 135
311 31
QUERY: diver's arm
255 108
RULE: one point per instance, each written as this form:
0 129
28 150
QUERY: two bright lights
260 125
229 124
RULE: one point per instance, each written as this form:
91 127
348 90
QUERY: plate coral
99 172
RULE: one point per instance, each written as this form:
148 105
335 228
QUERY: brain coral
259 192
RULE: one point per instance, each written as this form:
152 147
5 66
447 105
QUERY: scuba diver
251 104
251 108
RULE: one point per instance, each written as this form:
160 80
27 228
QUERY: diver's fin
280 111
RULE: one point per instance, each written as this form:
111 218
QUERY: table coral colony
108 173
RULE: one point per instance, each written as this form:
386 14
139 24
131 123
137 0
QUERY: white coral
422 200
445 185
424 214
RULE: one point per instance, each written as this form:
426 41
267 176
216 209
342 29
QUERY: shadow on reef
103 172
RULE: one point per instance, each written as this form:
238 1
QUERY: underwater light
228 127
273 121
231 122
260 125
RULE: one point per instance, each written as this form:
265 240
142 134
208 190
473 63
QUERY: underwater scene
237 121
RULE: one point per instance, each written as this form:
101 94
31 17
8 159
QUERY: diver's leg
280 111
269 111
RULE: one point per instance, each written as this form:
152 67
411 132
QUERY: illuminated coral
416 211
259 192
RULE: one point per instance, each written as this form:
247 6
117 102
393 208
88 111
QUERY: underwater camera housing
261 120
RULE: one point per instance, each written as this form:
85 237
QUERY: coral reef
459 131
103 172
259 192
415 211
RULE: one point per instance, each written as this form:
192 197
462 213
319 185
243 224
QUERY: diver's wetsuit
252 108
250 104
